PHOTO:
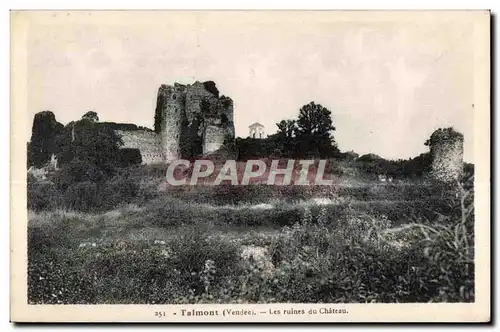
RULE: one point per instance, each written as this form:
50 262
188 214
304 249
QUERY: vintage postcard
250 166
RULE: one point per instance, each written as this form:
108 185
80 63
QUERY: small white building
256 130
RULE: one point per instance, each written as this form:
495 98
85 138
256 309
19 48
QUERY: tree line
310 135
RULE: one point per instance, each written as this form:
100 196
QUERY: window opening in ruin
174 97
253 135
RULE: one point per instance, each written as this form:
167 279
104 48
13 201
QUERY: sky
388 81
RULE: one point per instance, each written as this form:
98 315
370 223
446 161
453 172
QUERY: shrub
42 196
82 196
78 171
129 157
118 190
229 194
155 170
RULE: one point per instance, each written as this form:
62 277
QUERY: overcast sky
389 83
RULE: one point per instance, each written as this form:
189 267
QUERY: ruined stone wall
195 94
213 138
147 142
218 126
447 156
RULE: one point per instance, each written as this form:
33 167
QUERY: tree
369 157
91 116
87 152
287 128
418 166
314 131
314 119
285 137
97 145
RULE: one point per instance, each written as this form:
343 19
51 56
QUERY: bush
229 194
372 165
78 171
118 190
154 170
42 196
85 194
82 196
130 156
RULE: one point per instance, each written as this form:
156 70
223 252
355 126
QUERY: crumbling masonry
189 120
446 147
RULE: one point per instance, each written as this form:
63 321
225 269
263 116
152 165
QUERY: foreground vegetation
178 247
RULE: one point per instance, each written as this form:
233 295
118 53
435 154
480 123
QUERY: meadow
358 241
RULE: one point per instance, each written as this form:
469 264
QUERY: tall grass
321 254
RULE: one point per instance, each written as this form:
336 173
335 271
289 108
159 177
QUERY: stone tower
171 102
193 113
447 150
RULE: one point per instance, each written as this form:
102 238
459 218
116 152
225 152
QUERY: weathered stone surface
147 142
213 138
205 115
196 95
446 147
171 101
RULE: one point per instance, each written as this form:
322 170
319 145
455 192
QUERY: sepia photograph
250 165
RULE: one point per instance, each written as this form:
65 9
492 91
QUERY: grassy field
357 241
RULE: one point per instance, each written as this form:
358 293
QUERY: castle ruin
446 148
189 120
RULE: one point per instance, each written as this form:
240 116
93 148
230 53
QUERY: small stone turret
446 147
